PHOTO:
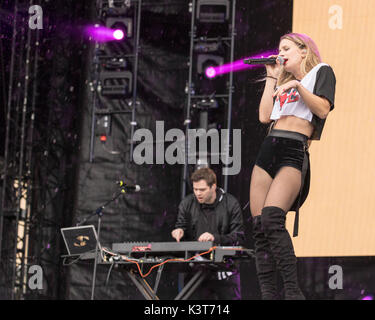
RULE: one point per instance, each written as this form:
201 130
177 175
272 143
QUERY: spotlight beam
238 65
104 34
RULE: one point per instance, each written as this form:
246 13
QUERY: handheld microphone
123 185
264 60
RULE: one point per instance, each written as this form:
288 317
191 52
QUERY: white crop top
291 103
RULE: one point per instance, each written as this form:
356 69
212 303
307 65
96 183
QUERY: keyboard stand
142 286
191 286
150 294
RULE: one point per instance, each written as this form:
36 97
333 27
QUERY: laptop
80 240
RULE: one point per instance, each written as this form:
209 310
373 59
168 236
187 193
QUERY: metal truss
203 101
17 184
38 173
118 54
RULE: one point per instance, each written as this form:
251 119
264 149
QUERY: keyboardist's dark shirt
207 221
223 219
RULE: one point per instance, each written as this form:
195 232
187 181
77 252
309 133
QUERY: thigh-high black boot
273 224
265 264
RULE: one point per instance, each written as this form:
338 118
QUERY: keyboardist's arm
182 220
235 235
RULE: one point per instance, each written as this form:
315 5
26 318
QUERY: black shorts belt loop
303 138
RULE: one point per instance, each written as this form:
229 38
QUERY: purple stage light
237 65
369 297
103 34
210 72
118 34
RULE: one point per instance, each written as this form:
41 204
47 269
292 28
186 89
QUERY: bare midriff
292 123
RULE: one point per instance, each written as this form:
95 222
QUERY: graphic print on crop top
291 103
288 97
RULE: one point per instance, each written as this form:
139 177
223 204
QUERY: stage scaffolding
37 177
17 184
215 47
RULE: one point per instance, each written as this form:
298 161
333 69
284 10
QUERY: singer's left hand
285 88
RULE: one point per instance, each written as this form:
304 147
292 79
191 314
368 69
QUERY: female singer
298 95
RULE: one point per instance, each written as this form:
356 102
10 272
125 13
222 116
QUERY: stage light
104 34
239 64
118 34
121 23
116 84
207 64
206 47
210 72
119 3
213 11
206 81
209 103
115 64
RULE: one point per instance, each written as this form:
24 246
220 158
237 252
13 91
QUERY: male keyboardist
211 214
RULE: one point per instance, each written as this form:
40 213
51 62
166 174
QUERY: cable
70 263
109 273
135 261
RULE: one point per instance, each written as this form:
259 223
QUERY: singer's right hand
273 70
178 234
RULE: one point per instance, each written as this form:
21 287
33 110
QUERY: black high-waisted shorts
285 148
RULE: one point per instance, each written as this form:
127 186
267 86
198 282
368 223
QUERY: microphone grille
281 60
